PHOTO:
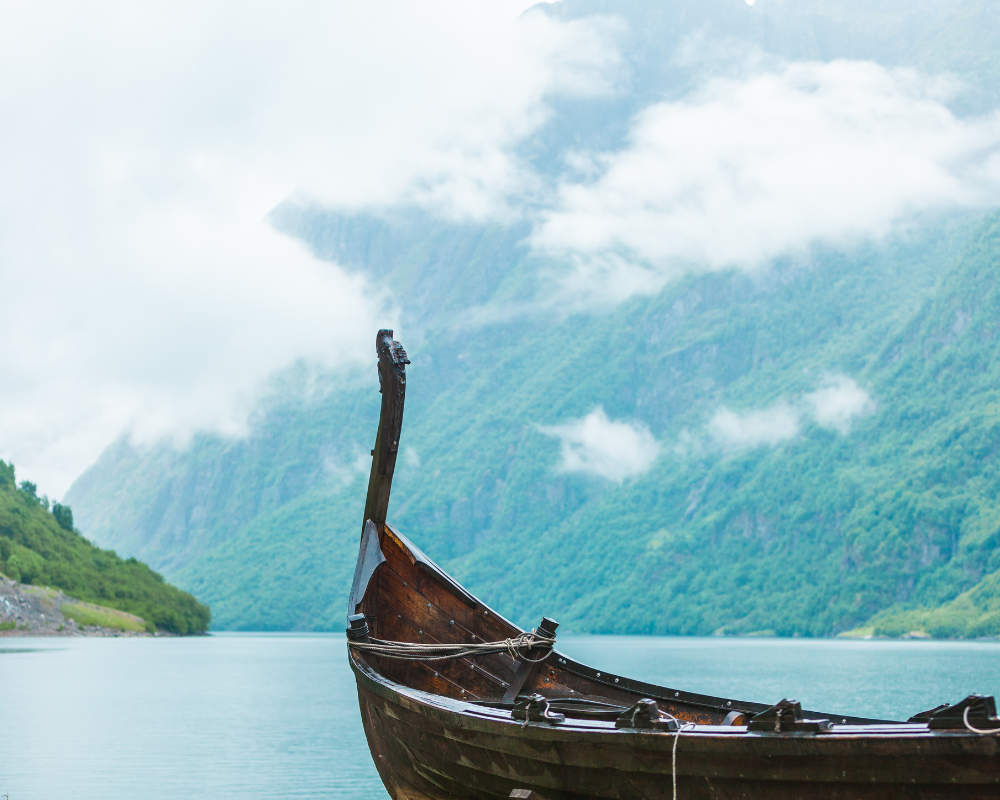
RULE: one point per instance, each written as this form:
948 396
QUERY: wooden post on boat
392 363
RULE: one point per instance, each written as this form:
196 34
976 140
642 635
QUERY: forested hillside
39 546
813 443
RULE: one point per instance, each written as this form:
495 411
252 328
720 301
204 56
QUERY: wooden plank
425 583
463 674
424 615
576 766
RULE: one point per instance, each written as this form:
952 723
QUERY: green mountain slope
887 520
481 490
41 548
817 535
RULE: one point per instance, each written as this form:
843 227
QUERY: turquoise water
245 716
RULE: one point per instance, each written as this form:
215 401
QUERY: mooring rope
516 647
987 732
683 726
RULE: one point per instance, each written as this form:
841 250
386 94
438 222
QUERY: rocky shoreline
41 611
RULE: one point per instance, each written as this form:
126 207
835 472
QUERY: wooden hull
441 730
429 747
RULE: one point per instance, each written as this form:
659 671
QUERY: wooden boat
508 715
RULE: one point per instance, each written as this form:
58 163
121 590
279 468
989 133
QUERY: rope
988 732
686 726
516 647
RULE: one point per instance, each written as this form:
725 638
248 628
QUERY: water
245 716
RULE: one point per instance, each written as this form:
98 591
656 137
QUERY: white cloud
596 445
755 428
142 146
749 169
836 404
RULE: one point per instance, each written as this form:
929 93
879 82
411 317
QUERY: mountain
265 527
41 547
818 434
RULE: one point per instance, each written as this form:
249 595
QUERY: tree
63 515
7 476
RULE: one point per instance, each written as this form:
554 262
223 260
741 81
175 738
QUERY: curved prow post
392 363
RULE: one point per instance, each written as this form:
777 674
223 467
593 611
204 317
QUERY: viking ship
457 702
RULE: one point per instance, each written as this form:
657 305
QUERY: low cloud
143 146
750 169
345 472
836 404
596 445
755 428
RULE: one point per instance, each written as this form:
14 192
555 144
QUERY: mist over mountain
724 360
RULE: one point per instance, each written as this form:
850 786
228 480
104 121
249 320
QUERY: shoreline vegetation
53 580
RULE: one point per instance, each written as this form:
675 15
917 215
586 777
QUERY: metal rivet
598 674
428 605
420 632
729 702
399 616
453 622
616 680
435 674
404 583
463 691
677 694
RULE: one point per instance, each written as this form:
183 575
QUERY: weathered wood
587 762
392 363
440 730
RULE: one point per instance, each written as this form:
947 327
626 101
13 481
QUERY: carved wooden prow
392 363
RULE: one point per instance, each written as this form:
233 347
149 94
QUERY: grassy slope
34 549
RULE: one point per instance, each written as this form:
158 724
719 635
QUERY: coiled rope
516 647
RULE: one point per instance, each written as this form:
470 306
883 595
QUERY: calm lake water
246 716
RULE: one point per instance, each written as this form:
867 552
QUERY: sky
143 146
